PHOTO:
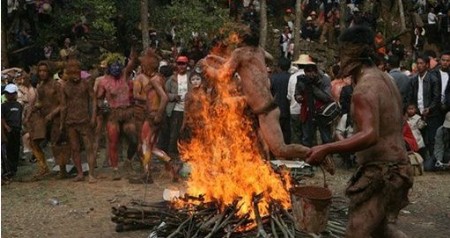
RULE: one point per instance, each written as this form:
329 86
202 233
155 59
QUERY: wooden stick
287 230
216 226
178 230
255 201
283 230
272 225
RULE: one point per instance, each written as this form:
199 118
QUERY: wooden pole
263 24
402 15
297 23
144 24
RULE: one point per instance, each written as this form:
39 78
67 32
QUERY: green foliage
202 16
98 14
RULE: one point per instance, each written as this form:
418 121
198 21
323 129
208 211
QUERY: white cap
163 63
11 88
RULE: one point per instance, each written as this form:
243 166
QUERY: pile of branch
207 220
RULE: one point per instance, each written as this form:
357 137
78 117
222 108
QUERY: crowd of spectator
303 90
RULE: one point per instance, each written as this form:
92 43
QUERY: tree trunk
402 15
297 24
5 62
144 24
343 12
263 24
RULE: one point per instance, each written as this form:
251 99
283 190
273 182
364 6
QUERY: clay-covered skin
377 192
249 63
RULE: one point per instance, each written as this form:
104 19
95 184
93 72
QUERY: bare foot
78 178
92 179
62 175
41 174
116 175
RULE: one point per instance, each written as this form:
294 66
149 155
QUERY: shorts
37 127
82 129
121 115
392 180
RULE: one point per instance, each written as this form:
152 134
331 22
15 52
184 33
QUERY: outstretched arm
216 67
365 116
131 63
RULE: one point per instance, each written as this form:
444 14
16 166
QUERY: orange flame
225 154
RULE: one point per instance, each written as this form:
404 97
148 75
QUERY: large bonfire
226 155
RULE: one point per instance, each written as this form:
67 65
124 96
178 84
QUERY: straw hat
447 120
309 18
304 59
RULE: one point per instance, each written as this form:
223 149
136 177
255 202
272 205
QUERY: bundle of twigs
206 220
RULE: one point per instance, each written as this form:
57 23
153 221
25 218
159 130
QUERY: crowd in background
302 88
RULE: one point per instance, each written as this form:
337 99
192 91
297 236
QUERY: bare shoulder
139 78
159 78
374 79
99 78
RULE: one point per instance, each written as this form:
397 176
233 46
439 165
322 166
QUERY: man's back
254 78
376 89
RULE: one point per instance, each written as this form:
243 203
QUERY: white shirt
420 104
182 90
444 83
294 106
343 127
432 18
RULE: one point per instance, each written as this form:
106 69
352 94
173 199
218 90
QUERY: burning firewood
207 220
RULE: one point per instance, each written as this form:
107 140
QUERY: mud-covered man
379 188
149 89
115 89
77 97
248 61
44 119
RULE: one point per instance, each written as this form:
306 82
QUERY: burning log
206 220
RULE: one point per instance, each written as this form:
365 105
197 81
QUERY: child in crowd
196 100
416 123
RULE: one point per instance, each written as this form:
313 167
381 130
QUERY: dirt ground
84 209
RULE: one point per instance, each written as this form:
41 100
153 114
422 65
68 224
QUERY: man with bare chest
77 95
114 88
379 188
43 119
149 89
248 62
